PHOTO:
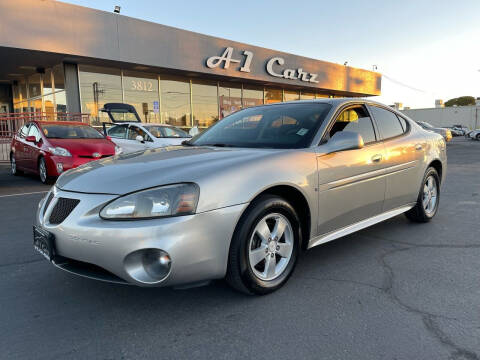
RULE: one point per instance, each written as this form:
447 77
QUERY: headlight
59 151
118 150
169 200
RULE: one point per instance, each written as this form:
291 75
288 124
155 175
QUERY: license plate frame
44 243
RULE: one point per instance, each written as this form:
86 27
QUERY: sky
425 49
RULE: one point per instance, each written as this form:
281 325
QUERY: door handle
418 147
377 158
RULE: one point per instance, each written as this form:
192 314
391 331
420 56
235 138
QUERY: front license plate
44 242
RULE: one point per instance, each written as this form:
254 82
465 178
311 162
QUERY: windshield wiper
187 143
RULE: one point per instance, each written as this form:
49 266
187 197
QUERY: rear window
64 131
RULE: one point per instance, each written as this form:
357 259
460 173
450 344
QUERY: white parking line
29 193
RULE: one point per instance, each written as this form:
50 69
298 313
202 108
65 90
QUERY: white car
133 136
475 134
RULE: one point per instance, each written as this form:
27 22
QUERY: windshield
120 115
282 126
165 131
64 131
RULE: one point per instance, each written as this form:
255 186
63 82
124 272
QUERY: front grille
49 199
62 209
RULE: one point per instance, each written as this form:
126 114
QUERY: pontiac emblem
96 155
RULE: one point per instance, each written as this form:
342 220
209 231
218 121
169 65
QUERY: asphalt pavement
397 290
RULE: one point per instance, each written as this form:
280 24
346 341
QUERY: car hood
153 167
85 147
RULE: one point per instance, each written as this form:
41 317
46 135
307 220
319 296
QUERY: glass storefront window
97 87
34 85
58 77
229 98
307 96
273 95
61 102
47 82
49 107
175 101
36 105
290 95
252 96
141 91
204 103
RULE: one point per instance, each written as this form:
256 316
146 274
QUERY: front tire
13 166
265 246
43 171
428 198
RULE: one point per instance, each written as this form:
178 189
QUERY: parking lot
397 290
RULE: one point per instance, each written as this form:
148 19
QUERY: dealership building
59 58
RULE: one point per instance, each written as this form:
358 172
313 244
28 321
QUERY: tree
461 101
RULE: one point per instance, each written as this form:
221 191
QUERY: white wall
466 115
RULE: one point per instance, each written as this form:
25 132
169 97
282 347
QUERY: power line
405 85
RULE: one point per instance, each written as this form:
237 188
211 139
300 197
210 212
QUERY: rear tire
478 137
265 246
428 198
43 172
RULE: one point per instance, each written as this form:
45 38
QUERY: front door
351 185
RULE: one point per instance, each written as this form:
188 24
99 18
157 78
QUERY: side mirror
344 140
139 138
31 139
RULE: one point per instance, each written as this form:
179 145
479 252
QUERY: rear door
351 185
404 153
31 150
20 146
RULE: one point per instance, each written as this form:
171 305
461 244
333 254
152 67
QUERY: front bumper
68 162
197 244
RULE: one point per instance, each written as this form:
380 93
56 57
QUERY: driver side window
355 119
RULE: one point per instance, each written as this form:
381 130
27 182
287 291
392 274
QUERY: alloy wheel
271 246
13 165
430 193
42 169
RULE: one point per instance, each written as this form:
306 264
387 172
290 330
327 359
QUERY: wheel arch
437 165
298 201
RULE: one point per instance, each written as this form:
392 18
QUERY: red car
50 148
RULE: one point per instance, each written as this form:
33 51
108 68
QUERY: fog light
148 266
59 168
156 263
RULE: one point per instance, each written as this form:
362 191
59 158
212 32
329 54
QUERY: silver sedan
244 199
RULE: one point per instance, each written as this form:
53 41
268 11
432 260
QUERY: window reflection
97 87
47 82
34 85
229 98
205 103
273 95
141 91
290 95
252 96
175 101
61 102
307 95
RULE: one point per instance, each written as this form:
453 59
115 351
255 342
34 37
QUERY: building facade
468 116
59 58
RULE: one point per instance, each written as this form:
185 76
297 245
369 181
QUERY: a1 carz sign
274 67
